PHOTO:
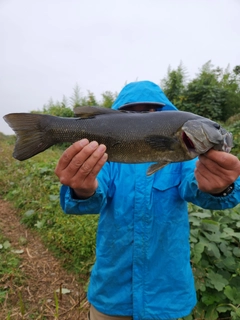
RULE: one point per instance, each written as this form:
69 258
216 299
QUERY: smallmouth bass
130 137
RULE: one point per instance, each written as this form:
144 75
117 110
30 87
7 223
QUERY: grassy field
32 187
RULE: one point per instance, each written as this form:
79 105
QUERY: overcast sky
47 46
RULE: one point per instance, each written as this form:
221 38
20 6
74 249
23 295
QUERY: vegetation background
33 189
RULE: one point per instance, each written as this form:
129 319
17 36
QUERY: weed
10 274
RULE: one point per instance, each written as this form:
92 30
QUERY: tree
174 83
204 95
76 99
91 100
108 99
231 82
57 108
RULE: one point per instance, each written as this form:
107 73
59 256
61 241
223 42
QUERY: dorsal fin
90 112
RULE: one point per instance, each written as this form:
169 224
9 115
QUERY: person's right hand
79 165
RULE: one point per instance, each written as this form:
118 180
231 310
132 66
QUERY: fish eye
217 126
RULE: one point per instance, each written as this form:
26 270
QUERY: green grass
10 275
33 189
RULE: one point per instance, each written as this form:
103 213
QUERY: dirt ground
36 297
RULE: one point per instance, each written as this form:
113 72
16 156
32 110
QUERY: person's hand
216 170
79 166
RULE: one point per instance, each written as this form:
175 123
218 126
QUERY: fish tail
31 134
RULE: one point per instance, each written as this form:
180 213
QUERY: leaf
236 310
197 252
203 240
237 235
236 252
64 290
200 286
193 239
29 213
223 308
194 221
53 197
217 280
232 294
213 247
235 216
225 249
39 224
212 237
209 299
6 244
210 225
231 232
1 246
17 251
212 222
230 263
201 214
211 313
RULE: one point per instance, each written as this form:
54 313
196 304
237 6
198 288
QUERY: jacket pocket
168 206
166 181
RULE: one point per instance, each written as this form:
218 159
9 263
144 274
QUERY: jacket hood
145 92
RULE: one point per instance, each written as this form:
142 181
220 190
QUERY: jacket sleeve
189 191
92 205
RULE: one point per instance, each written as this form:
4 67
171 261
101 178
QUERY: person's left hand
216 170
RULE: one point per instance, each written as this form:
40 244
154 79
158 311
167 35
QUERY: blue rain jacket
142 264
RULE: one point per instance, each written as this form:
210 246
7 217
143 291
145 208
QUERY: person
142 268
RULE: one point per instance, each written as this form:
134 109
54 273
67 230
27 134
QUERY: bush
215 247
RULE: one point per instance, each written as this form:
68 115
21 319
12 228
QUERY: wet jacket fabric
142 264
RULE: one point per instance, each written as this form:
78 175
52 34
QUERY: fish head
202 134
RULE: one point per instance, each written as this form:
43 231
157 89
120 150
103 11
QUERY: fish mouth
188 143
193 149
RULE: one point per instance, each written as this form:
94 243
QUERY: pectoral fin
156 166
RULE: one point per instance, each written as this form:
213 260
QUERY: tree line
213 93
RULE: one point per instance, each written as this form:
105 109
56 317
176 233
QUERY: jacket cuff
225 192
75 197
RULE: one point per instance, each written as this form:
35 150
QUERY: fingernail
84 142
105 156
93 144
101 148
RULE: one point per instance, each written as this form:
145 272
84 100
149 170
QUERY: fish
130 137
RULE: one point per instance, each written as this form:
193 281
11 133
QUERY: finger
201 180
212 182
84 169
225 160
93 163
79 160
69 154
95 171
88 181
208 165
202 173
228 174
